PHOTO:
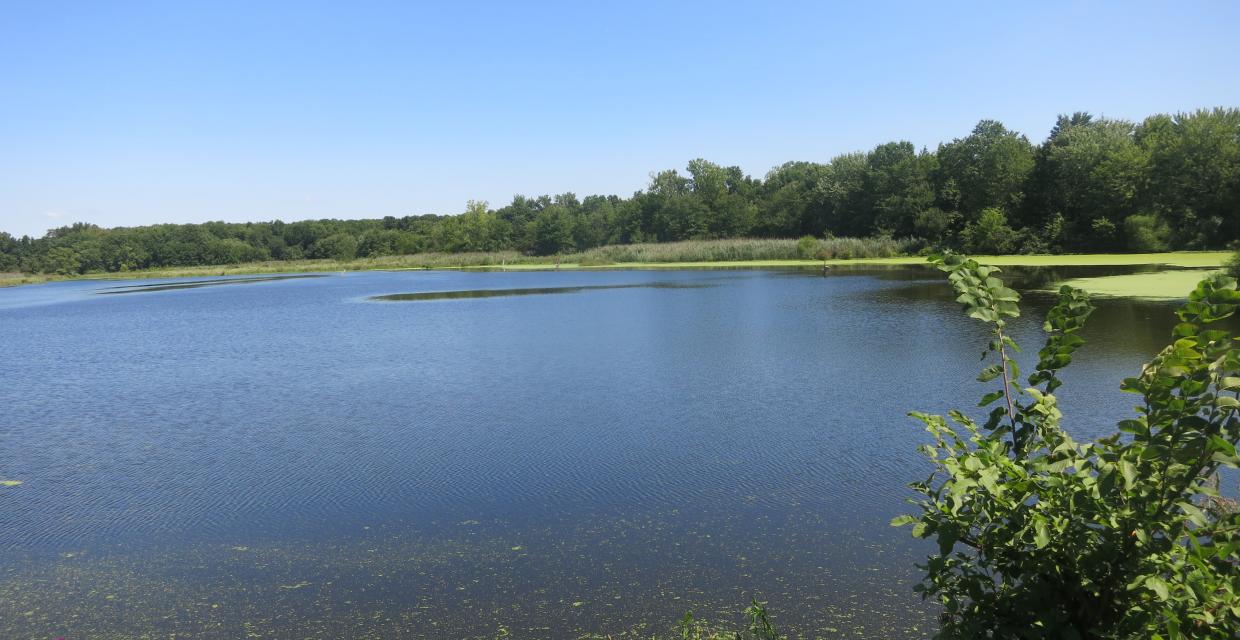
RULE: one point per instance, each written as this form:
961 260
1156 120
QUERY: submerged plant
758 627
1126 537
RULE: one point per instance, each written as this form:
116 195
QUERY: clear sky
122 113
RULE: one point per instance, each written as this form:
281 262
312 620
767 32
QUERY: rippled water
293 458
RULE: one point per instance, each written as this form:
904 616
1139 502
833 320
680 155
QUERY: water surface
290 457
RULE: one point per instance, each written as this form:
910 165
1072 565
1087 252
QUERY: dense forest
1095 184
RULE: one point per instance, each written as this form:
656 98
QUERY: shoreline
1132 286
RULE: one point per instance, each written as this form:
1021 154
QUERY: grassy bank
708 253
1178 260
15 279
711 254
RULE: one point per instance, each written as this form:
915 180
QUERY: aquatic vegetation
581 581
536 291
1159 285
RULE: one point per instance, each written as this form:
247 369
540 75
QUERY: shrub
1126 537
990 233
1233 265
1103 233
807 247
1145 232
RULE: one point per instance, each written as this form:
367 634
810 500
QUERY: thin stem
1007 383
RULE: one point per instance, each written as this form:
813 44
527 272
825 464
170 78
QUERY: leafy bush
807 247
1145 232
934 224
990 233
1102 232
1233 265
1040 536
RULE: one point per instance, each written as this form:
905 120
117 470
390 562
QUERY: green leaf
990 397
1231 462
1008 309
1159 587
1129 471
1042 536
990 373
900 521
1195 515
1005 294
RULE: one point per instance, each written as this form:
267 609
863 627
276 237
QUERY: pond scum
474 582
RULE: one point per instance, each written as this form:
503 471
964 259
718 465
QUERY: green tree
1194 175
61 260
597 222
338 246
897 187
988 168
1089 170
552 231
842 190
790 203
726 194
670 209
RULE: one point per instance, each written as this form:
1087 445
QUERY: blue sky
123 113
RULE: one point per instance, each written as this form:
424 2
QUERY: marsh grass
697 251
707 254
14 279
745 249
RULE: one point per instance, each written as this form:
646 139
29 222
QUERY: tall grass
855 248
694 251
14 279
709 251
744 249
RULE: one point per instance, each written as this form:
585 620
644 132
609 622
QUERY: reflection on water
194 284
283 461
535 291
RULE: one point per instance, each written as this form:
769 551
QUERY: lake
396 455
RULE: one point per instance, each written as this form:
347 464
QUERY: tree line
1094 184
